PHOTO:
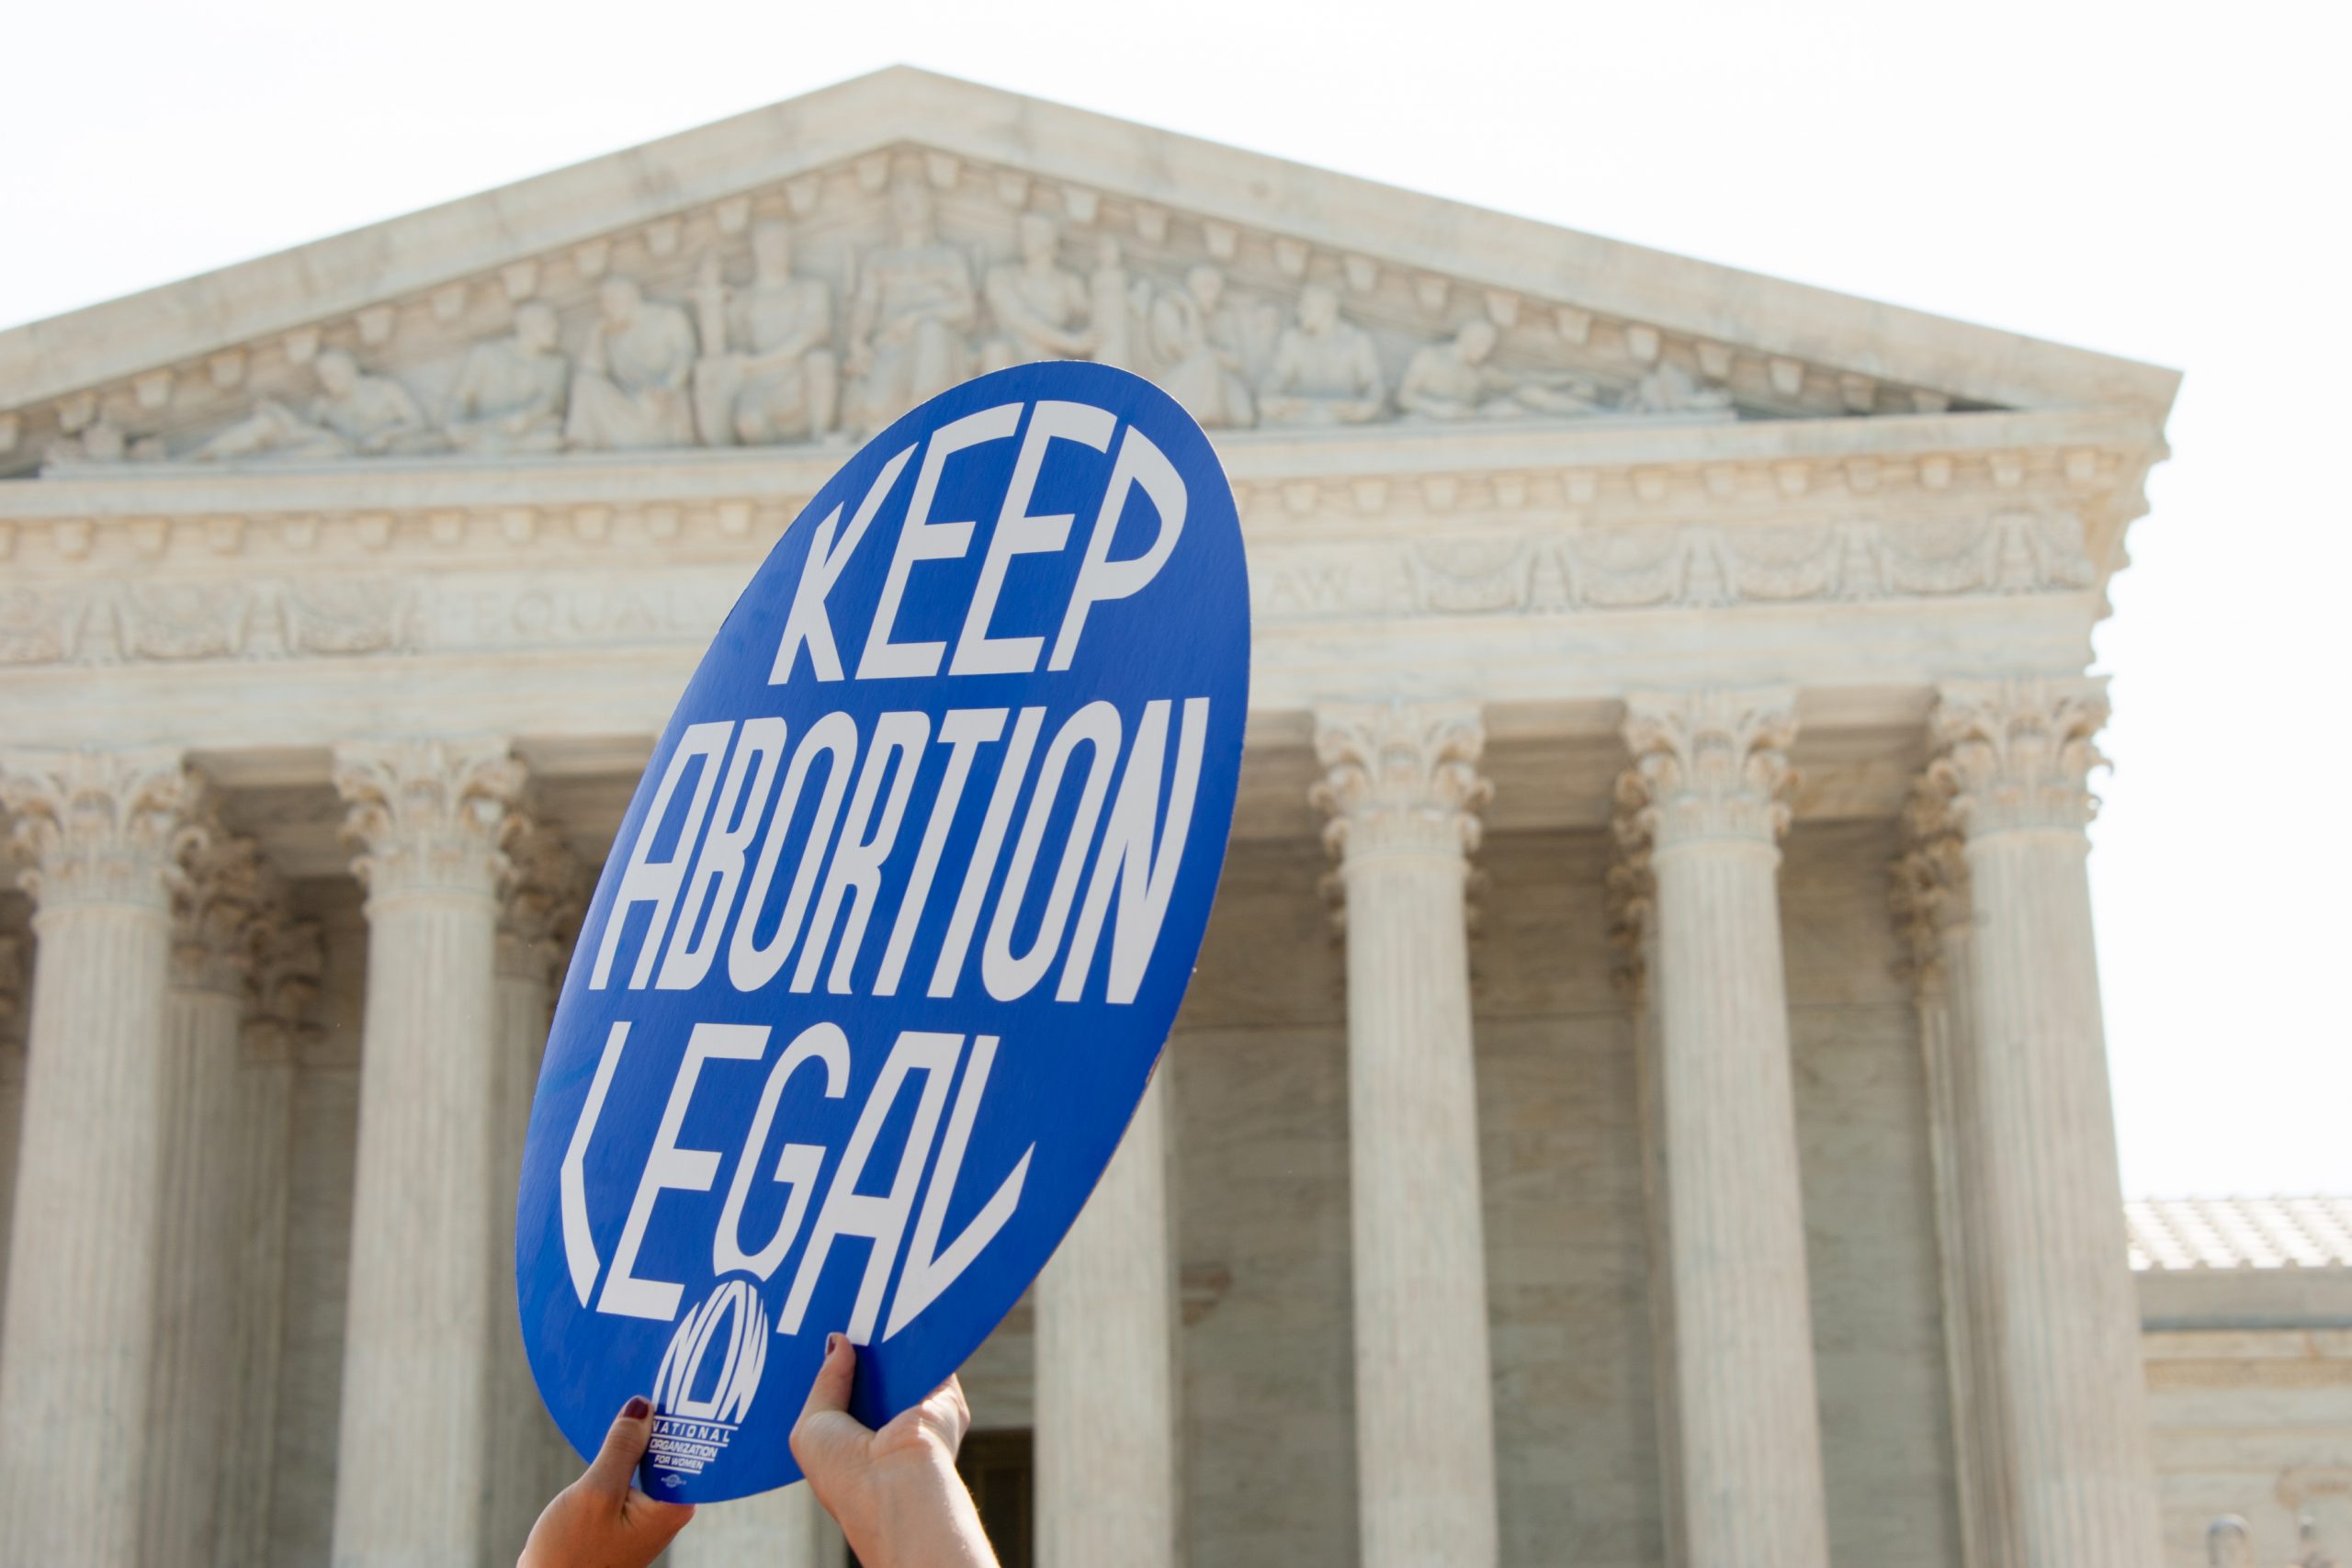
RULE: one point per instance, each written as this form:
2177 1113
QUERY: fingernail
832 1343
637 1409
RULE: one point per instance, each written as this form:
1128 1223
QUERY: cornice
1636 471
1351 220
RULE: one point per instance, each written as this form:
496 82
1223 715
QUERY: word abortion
723 899
728 887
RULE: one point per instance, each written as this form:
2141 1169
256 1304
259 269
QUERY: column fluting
774 1530
216 919
1929 898
16 954
538 914
290 958
1105 1355
103 831
1705 789
2016 757
429 816
1402 792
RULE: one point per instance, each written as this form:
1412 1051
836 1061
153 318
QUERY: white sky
2159 180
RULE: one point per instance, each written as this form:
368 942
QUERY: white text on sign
878 1220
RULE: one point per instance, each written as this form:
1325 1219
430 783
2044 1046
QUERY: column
1631 898
1705 786
2016 756
1929 900
215 916
289 958
774 1530
101 830
1402 790
545 892
410 1463
1106 1376
15 949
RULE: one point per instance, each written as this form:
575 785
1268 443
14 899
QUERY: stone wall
2250 1399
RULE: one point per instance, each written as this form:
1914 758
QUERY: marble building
1643 1099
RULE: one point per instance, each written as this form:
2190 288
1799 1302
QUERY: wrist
919 1514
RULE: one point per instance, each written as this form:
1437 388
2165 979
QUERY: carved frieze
843 297
183 620
1538 568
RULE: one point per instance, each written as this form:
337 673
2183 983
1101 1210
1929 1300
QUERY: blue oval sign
895 924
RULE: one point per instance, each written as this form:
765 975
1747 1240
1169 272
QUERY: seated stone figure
766 374
1457 381
1325 371
914 305
355 414
101 442
509 394
1670 388
630 388
1202 366
1040 306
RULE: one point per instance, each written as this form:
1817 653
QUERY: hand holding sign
894 926
601 1517
895 1493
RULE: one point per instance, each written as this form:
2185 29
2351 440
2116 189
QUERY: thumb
829 1393
825 1420
616 1463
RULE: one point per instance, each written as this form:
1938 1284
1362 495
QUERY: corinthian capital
217 908
545 892
2018 754
99 827
1400 778
1928 887
289 958
1708 764
427 815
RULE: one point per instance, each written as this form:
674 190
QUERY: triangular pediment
643 300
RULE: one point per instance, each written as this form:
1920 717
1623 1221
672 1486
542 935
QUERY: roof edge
472 234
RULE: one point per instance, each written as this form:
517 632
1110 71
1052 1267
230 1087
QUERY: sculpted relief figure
1040 306
1203 366
630 389
1457 381
354 413
767 373
1670 388
1325 371
1115 302
101 442
2227 1545
509 394
914 303
2312 1552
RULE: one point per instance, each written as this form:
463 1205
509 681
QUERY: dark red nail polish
637 1409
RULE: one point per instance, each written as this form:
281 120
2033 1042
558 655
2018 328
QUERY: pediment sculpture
768 372
826 325
354 413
